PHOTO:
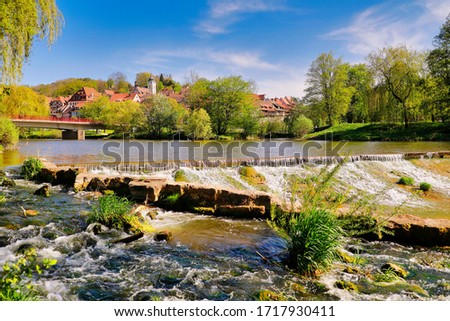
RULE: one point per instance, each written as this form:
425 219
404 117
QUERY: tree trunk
405 115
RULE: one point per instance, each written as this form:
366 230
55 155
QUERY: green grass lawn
384 132
41 134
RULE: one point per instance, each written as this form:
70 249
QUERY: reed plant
115 212
31 168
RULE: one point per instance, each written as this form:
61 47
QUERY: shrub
31 168
302 126
9 135
250 175
313 237
2 199
180 176
404 180
115 212
15 280
425 187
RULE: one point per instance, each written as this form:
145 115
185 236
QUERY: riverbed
210 258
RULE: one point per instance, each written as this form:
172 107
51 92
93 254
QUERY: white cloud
411 24
436 9
275 80
234 60
222 13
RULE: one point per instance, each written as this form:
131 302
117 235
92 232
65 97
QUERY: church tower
152 85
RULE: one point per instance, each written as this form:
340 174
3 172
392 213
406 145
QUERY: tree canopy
23 101
328 91
21 22
223 99
399 69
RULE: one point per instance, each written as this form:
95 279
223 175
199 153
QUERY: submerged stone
7 182
43 191
163 236
267 295
346 285
394 268
96 228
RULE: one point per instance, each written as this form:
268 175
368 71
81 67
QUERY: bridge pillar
73 135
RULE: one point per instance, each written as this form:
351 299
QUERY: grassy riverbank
384 132
57 134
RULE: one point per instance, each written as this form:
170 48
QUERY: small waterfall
146 168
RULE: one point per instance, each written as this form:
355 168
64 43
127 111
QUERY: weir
152 167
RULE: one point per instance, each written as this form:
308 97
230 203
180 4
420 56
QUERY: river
98 151
213 258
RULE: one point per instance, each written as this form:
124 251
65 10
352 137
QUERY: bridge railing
56 119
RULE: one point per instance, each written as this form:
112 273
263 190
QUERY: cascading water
217 258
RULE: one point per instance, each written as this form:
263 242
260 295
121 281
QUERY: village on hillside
69 107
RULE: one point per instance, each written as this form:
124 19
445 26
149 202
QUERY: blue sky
271 42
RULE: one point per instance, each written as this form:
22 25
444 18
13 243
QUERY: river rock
196 195
163 236
129 239
396 269
147 190
43 191
145 211
346 285
97 228
412 230
243 211
6 181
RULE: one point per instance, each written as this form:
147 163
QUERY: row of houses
65 107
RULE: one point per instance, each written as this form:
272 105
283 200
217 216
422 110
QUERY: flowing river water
219 258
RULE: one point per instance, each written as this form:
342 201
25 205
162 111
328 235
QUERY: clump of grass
386 276
405 180
251 176
31 168
180 176
425 187
115 212
313 238
2 199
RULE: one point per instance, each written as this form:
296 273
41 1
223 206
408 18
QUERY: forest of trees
395 85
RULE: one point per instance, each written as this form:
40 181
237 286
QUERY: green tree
225 99
249 118
142 79
328 91
198 125
438 61
271 125
302 125
23 101
161 115
68 87
118 82
21 22
198 95
123 117
9 134
399 69
361 79
95 109
289 120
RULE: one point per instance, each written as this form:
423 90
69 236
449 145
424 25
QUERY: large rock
241 211
43 191
196 195
414 230
146 191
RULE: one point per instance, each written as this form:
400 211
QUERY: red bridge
72 128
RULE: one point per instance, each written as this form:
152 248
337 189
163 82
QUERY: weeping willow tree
21 23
